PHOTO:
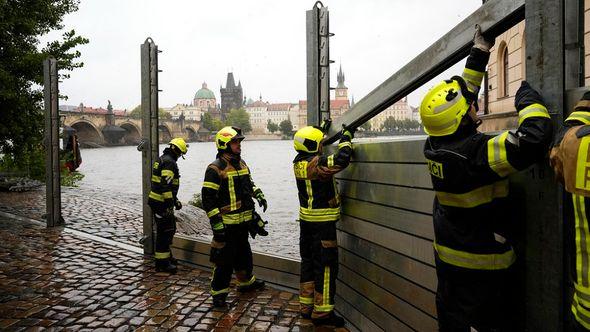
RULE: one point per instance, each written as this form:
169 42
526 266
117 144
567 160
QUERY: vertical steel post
52 175
313 89
544 267
324 64
149 131
574 44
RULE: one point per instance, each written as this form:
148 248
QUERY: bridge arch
132 133
88 133
165 133
191 134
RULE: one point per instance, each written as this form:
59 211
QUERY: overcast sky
262 42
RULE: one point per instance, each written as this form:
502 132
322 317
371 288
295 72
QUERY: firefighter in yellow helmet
163 201
319 210
569 159
228 192
473 225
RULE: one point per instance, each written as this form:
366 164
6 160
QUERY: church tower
341 89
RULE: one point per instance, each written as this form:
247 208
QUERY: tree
136 113
207 121
272 127
286 127
390 124
366 126
239 118
21 78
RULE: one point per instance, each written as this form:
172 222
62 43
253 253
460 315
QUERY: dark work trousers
235 256
165 229
479 299
319 267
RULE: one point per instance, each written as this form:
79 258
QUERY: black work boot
219 300
330 320
257 284
164 265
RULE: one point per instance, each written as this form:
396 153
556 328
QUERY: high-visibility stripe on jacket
227 191
319 200
472 223
571 162
165 182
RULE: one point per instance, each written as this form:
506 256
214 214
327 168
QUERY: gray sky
263 42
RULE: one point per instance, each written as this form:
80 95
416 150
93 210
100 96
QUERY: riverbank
118 216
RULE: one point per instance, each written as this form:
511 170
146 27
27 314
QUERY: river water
118 170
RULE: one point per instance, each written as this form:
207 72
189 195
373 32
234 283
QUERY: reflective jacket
571 162
318 195
165 182
472 224
227 191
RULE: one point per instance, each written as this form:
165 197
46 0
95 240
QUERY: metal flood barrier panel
277 270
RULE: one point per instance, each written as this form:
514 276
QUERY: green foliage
406 125
70 179
31 164
21 75
136 113
366 126
196 201
272 127
239 118
210 123
286 127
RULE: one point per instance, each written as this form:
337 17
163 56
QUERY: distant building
189 112
203 102
341 90
258 115
400 110
232 96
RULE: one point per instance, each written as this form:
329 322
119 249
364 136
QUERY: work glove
218 253
167 213
261 200
219 235
326 125
479 41
256 226
177 205
526 96
347 134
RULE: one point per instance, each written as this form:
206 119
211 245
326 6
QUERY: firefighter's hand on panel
347 134
479 41
326 125
526 96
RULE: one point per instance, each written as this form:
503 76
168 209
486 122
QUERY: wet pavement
118 216
61 280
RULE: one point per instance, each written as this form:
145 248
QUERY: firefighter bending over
569 159
473 226
319 210
228 192
163 201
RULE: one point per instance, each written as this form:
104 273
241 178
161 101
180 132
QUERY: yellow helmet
308 139
444 106
226 135
180 144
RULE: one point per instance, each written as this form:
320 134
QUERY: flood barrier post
52 171
149 131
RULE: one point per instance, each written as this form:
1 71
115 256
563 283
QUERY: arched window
503 70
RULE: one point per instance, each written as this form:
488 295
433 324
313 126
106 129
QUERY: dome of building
204 93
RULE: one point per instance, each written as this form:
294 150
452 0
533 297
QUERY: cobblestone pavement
52 278
118 216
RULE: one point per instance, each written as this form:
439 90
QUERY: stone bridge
111 129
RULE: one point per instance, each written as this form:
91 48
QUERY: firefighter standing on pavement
473 226
318 213
163 201
228 192
571 163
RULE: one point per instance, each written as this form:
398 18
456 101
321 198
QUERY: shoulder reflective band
582 238
162 255
581 116
582 314
479 196
497 156
212 212
583 165
475 261
210 185
247 282
237 218
534 110
472 78
331 160
319 215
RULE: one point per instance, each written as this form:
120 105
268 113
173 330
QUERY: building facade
400 110
257 111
